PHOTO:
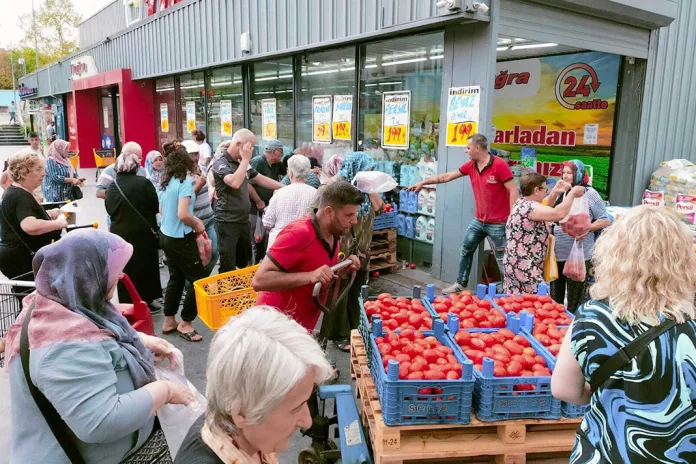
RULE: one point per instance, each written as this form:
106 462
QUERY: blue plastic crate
385 221
495 398
490 294
403 405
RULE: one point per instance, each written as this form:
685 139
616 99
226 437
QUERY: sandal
343 346
170 331
188 336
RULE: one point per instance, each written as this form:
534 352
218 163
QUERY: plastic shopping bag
374 182
574 268
205 248
260 229
550 263
578 221
177 419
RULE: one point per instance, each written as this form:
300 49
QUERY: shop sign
562 105
226 118
321 119
27 92
164 117
82 67
396 119
105 116
342 116
269 119
462 114
190 116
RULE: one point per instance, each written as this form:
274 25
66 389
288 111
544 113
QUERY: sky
11 34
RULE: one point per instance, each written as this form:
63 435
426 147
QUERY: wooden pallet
383 251
505 442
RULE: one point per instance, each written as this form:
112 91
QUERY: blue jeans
211 230
476 233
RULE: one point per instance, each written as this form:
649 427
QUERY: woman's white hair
645 265
255 360
299 166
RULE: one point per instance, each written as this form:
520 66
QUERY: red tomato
425 391
434 375
402 358
382 296
539 360
529 351
554 349
555 333
502 358
415 375
502 350
499 371
506 333
476 343
521 340
451 375
528 361
417 367
451 359
384 348
462 337
514 347
514 369
431 355
441 361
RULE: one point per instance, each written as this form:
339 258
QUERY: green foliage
55 28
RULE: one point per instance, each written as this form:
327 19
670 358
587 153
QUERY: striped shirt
54 186
287 205
564 242
201 207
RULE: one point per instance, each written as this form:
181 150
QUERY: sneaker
155 307
454 288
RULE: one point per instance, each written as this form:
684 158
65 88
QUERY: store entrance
109 118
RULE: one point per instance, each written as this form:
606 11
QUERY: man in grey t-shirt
232 174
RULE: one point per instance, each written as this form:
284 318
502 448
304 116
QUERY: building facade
545 80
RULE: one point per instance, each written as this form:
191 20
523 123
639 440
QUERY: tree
28 54
55 28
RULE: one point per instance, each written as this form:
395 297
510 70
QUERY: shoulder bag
153 451
155 232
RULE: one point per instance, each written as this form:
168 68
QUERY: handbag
155 232
77 192
153 451
550 263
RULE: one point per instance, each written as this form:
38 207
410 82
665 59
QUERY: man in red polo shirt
304 252
494 193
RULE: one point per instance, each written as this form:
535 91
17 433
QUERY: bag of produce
575 265
578 220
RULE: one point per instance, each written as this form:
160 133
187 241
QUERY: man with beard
304 252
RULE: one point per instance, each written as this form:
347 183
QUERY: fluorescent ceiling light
271 78
368 66
218 84
165 89
237 82
347 69
391 83
191 87
437 57
412 60
371 85
326 71
285 76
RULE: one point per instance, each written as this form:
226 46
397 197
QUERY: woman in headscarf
338 324
132 203
61 177
574 173
84 357
154 165
331 168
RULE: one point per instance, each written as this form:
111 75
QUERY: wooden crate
505 442
383 251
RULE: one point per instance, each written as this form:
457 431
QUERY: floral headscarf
580 177
353 163
155 175
58 152
127 162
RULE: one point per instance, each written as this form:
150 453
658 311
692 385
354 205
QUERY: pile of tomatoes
550 336
542 307
472 312
513 355
419 357
399 313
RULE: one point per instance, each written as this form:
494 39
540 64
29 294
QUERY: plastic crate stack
226 295
385 221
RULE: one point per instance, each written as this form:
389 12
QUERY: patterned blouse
527 243
643 413
54 186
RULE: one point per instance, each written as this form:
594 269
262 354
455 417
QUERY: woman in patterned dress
645 272
527 235
61 177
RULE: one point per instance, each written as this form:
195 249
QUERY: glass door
109 124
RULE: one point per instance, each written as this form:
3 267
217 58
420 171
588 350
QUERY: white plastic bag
574 267
374 182
578 221
177 419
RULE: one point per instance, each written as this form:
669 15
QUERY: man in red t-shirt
494 193
304 252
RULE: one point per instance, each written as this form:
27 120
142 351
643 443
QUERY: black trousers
184 264
234 243
577 291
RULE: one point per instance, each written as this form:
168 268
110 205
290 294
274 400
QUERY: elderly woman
527 235
26 226
61 177
312 178
262 369
642 409
337 325
574 173
131 201
331 168
84 358
290 203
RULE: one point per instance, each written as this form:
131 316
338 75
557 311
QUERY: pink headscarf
58 152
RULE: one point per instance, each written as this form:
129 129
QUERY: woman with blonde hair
631 351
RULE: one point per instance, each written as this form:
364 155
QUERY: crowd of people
97 373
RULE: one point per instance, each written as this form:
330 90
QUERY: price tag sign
321 118
190 116
269 119
463 105
396 118
342 117
164 117
226 118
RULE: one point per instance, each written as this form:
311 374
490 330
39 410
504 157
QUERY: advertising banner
164 117
563 106
462 114
342 116
396 119
321 119
269 119
190 116
226 118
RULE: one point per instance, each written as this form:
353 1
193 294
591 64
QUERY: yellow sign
226 128
269 118
459 132
341 130
395 136
322 132
269 131
165 125
190 125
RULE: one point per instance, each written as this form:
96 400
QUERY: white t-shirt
204 156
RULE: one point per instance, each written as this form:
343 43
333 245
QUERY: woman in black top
136 223
26 226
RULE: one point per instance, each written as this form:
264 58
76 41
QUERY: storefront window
225 104
192 95
165 109
330 73
270 85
